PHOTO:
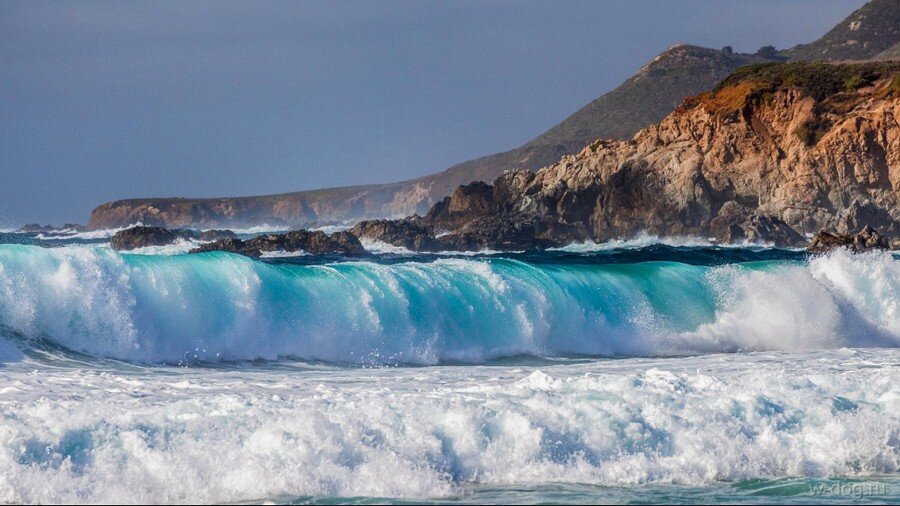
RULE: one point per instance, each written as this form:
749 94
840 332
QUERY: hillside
645 98
870 30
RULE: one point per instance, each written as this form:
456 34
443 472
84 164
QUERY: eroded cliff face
727 159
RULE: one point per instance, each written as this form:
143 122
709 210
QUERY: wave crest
221 306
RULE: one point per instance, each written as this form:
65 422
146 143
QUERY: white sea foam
258 229
330 229
644 239
67 235
181 435
283 254
380 247
178 247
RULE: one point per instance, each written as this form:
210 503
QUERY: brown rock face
867 239
736 159
777 151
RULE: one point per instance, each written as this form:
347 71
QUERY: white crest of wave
839 299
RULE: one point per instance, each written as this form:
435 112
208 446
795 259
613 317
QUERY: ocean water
631 372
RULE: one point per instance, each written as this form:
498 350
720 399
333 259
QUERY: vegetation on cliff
832 86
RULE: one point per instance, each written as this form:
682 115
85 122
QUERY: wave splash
224 307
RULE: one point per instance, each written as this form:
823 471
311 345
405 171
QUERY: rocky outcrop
859 215
735 223
140 237
742 154
867 239
775 152
500 233
412 234
312 242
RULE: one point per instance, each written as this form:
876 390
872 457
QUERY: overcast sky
108 100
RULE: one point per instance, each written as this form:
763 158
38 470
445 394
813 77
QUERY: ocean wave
180 435
221 306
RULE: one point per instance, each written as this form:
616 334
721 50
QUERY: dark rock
139 237
216 235
736 224
769 229
501 233
439 212
77 227
473 199
231 245
339 243
409 233
867 239
312 242
467 202
35 227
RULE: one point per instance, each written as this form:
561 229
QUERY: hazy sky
108 100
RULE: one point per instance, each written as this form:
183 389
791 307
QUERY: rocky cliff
775 152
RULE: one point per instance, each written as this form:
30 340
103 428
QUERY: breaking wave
218 306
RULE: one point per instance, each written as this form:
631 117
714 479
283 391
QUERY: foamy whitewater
631 372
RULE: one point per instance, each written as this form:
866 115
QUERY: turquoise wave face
187 308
